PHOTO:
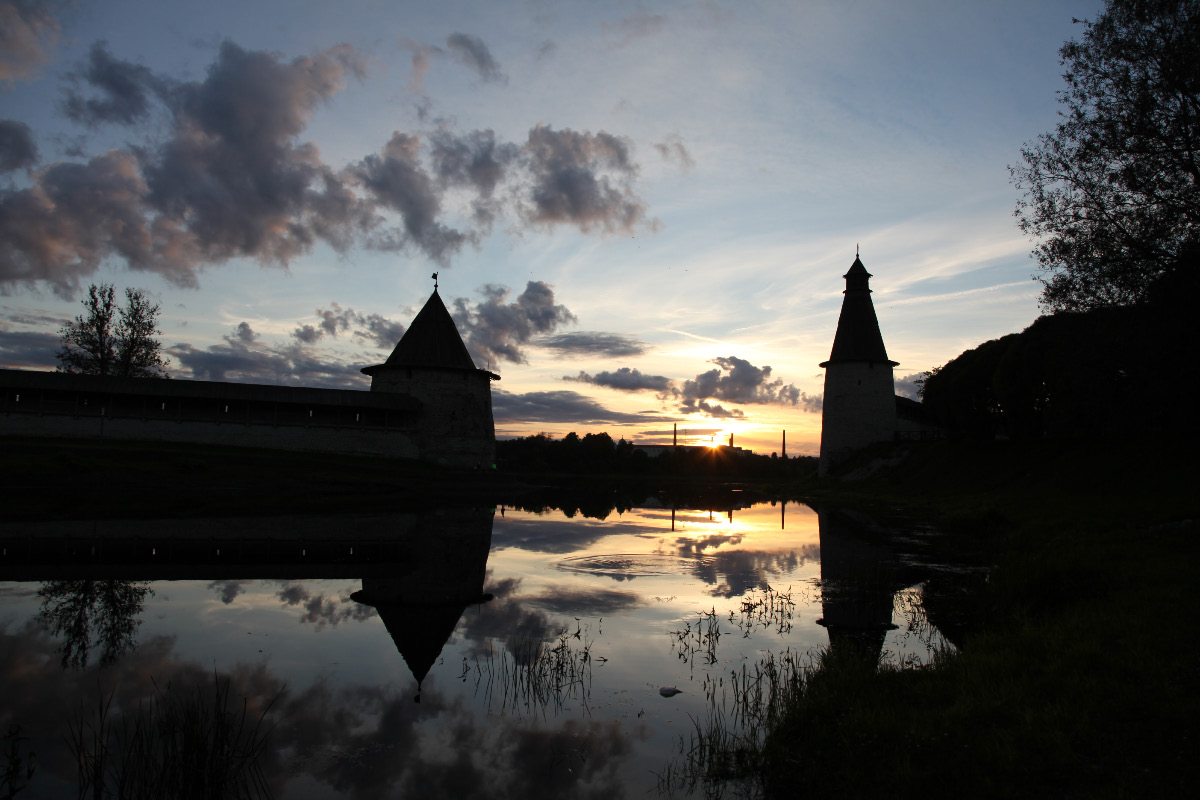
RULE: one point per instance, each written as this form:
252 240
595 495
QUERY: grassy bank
1078 675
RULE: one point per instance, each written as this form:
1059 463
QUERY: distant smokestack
675 435
731 440
783 450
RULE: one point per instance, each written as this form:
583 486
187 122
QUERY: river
486 652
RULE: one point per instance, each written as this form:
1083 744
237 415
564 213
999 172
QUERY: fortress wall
391 443
352 422
859 409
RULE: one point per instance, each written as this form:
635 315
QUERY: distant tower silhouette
859 406
431 364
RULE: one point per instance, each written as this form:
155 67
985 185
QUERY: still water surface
492 653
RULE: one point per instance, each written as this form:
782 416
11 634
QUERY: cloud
737 381
380 331
125 89
243 358
714 410
223 174
323 610
420 62
473 159
17 148
356 740
228 181
472 52
672 149
593 343
593 602
625 380
908 386
228 590
583 179
639 26
28 350
373 328
495 331
71 218
307 334
558 406
397 180
244 332
28 29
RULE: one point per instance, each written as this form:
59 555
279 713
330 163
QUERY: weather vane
435 281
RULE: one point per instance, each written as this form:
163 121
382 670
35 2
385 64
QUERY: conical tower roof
858 337
432 340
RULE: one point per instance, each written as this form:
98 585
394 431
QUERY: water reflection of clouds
579 601
362 740
733 573
320 608
228 590
543 536
515 618
688 546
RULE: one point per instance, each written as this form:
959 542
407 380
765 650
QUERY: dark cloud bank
734 380
228 176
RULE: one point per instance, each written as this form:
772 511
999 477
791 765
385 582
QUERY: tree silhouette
88 614
1113 194
107 340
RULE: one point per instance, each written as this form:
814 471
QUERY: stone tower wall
455 426
859 409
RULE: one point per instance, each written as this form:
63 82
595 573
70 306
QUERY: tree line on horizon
600 454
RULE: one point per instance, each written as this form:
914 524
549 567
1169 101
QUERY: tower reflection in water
441 576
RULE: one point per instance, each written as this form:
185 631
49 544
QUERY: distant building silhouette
859 406
428 401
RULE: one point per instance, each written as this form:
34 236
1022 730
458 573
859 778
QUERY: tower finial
435 281
855 253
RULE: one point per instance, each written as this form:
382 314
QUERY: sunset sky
640 213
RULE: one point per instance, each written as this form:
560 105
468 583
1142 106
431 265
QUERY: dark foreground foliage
1076 678
1111 371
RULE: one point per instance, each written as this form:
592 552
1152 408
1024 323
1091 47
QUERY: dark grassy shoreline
1078 676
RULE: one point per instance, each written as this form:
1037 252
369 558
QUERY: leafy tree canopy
107 340
1113 194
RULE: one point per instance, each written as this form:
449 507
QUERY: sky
639 213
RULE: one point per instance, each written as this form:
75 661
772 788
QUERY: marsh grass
723 756
19 765
532 676
697 641
766 609
182 743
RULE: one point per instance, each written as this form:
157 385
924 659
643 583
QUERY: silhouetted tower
432 365
859 407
